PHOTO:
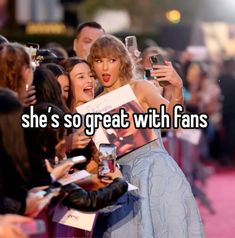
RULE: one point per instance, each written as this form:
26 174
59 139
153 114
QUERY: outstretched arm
151 97
83 200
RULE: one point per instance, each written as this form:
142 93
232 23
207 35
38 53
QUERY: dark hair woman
14 164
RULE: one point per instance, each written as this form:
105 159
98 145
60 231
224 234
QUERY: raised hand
28 98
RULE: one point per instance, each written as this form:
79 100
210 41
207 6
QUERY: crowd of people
164 204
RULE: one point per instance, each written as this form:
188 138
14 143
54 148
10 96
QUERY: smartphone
55 187
107 159
158 60
131 45
32 45
32 49
147 74
37 226
76 160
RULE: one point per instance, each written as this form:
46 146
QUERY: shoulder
144 88
147 93
141 85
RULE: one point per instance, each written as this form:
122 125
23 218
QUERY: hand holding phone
55 187
111 176
158 60
60 170
28 97
77 140
131 45
107 159
76 160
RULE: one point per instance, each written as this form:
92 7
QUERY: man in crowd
87 33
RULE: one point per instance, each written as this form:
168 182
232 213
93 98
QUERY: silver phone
132 46
76 160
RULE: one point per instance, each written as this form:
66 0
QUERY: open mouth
106 77
88 90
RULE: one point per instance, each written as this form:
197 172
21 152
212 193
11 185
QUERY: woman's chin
88 97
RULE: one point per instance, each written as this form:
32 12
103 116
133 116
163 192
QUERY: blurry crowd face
82 83
194 74
85 39
107 71
64 84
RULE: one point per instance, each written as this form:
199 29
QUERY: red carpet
220 189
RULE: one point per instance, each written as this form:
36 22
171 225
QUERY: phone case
32 45
156 59
131 45
107 158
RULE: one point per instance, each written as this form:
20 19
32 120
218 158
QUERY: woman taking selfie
163 205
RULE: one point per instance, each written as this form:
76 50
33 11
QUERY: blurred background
200 34
174 24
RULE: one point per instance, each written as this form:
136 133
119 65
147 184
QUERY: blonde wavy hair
110 46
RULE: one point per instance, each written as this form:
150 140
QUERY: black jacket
13 188
83 200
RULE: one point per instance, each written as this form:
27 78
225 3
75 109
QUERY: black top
83 200
13 188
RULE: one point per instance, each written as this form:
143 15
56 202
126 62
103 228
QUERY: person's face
64 84
108 71
82 83
193 75
86 38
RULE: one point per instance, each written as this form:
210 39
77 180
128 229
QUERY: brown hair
13 57
68 65
107 46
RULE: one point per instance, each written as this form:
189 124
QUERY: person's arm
175 87
150 96
76 140
83 200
